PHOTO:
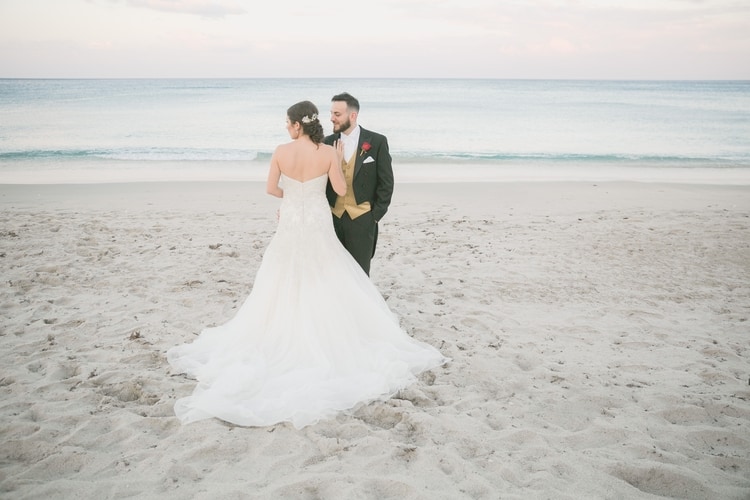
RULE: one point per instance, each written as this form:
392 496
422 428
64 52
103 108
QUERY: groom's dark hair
350 100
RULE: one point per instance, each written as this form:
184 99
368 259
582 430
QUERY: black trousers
358 236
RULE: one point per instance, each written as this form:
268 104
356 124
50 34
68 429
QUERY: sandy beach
598 332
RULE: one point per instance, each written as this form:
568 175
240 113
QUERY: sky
560 39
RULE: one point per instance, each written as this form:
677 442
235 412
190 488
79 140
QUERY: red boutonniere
365 148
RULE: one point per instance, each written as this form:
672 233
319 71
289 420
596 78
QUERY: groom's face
340 117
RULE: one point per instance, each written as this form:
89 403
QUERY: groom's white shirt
350 143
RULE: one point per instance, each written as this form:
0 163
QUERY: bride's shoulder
326 150
281 148
286 149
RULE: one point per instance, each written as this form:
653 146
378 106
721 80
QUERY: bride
314 336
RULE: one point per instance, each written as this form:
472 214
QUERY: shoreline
538 196
119 171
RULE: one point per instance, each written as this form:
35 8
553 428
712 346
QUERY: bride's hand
339 145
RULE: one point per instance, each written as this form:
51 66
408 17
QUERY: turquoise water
115 130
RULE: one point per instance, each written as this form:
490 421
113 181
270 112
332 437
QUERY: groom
369 181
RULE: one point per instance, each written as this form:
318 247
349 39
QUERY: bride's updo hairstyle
306 114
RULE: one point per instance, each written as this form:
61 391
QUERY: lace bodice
304 208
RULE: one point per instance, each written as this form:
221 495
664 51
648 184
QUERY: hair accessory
309 119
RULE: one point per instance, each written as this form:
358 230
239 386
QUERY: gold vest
347 203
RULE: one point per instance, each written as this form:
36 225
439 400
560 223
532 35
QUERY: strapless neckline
303 182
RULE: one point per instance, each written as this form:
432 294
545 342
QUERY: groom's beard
342 126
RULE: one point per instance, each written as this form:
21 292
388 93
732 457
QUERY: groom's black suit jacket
373 179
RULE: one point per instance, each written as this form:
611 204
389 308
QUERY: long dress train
314 336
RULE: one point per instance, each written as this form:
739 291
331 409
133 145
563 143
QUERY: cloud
206 8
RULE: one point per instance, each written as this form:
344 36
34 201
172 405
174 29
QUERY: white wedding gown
314 336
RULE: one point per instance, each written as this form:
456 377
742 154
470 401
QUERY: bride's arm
274 174
335 174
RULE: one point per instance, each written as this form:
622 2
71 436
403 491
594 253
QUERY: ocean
441 130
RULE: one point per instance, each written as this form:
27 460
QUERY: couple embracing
314 336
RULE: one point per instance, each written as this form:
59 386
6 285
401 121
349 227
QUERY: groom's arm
384 186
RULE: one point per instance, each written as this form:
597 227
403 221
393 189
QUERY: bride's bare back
303 160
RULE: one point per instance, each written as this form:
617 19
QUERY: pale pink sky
607 39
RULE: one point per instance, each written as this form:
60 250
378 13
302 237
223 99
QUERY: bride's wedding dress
313 337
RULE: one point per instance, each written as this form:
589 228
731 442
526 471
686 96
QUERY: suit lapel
358 157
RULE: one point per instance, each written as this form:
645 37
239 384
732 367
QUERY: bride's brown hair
306 114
